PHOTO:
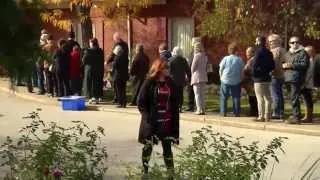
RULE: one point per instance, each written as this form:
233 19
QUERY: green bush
49 151
217 156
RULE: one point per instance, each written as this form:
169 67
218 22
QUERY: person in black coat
93 61
120 72
139 70
180 72
263 65
61 68
71 42
158 105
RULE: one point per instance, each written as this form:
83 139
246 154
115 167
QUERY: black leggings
307 95
167 154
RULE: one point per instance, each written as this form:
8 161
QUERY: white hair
177 51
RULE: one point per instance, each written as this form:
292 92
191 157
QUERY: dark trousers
277 97
295 91
253 105
167 154
307 96
137 83
115 92
180 95
190 97
63 85
121 92
51 83
75 86
40 80
227 90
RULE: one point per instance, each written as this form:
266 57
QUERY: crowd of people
69 70
158 85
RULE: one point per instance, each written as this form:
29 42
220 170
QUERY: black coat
263 65
140 66
62 62
93 61
120 63
70 44
147 105
179 70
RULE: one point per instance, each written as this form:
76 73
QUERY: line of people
264 76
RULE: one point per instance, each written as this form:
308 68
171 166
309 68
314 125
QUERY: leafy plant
218 156
50 151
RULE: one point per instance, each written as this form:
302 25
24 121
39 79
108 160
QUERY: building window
181 32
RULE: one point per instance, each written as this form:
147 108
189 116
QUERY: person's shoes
133 104
199 113
180 110
292 120
190 110
121 106
223 114
40 93
259 120
115 102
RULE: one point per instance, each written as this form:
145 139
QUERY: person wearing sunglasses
296 66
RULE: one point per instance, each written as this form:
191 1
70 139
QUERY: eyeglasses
294 42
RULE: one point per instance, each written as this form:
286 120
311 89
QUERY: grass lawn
212 101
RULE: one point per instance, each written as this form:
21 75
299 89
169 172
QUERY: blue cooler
73 103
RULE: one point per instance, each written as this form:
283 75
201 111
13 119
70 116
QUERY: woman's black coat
147 105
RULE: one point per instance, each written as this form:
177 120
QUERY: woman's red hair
157 67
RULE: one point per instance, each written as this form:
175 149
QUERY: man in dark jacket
120 73
179 70
263 65
296 66
62 64
71 42
164 53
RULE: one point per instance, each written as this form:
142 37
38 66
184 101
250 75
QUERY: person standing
309 85
164 52
120 70
199 77
277 76
50 48
231 68
263 65
179 72
139 70
296 66
71 42
93 83
75 71
62 66
158 105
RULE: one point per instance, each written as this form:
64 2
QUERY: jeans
295 91
198 89
225 91
264 99
277 97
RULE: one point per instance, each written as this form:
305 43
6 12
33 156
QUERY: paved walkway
210 118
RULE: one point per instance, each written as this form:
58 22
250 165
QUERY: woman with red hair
159 108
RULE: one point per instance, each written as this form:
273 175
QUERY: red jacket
75 65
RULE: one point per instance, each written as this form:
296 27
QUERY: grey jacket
199 69
300 61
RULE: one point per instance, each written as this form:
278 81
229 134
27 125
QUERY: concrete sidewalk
210 118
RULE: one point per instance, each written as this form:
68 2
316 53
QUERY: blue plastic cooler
73 103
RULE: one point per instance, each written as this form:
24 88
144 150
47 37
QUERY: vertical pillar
130 35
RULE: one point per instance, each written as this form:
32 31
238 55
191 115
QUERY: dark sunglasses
294 42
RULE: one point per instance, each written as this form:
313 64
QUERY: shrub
218 156
50 151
